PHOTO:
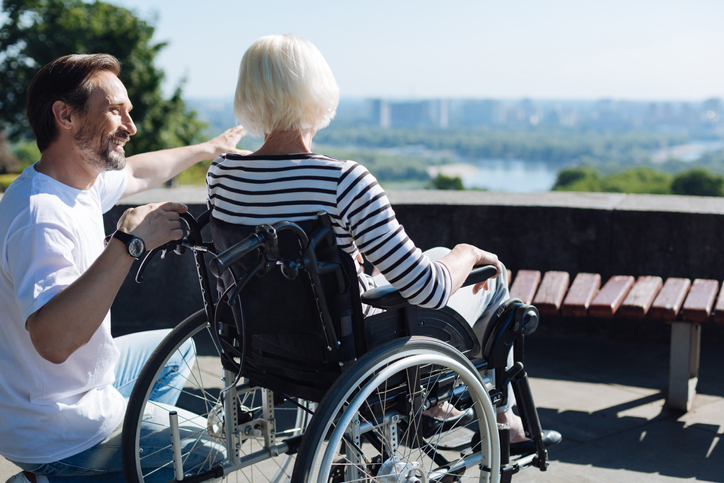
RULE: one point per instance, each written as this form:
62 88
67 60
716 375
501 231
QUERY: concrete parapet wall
610 234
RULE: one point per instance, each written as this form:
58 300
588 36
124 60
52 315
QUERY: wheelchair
285 380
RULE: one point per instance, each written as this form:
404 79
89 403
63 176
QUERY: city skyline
644 50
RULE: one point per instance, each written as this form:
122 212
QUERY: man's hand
155 223
226 142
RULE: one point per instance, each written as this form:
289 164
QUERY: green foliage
638 180
195 175
698 182
693 182
8 160
442 182
578 179
5 180
386 167
38 31
561 146
27 153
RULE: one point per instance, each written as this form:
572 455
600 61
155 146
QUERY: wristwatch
134 245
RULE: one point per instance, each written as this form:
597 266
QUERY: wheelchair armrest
384 297
388 297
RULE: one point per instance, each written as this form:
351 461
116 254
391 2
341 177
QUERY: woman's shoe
550 437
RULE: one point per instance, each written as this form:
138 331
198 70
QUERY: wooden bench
678 301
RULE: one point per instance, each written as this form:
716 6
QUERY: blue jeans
102 462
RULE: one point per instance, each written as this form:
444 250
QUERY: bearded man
64 378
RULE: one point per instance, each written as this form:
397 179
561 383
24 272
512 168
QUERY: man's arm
71 317
148 170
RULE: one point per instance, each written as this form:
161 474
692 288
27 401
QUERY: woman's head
284 84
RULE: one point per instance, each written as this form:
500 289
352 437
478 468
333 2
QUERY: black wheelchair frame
356 415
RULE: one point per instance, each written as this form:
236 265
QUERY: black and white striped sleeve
366 214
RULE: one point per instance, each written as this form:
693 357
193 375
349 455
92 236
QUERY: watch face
136 247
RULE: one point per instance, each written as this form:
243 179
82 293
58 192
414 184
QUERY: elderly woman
286 92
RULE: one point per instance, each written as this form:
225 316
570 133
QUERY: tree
8 160
442 182
638 180
38 31
698 182
580 178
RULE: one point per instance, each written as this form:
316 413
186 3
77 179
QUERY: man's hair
65 79
284 84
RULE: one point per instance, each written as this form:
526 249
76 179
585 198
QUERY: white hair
284 84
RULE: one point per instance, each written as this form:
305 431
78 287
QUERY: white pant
477 309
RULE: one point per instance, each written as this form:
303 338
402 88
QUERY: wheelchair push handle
224 260
178 247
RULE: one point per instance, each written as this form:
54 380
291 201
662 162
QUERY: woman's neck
286 142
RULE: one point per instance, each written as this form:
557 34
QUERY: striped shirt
251 190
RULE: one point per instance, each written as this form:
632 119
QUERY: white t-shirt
51 233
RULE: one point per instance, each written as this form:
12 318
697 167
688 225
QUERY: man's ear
62 113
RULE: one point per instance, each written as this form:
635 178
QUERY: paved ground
607 399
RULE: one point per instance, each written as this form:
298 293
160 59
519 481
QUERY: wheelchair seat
281 319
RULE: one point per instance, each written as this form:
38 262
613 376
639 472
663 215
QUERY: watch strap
123 236
127 240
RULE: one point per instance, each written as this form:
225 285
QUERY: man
60 403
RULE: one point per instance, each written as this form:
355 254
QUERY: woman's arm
366 214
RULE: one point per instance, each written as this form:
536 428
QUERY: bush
442 182
578 179
638 180
27 153
698 182
8 160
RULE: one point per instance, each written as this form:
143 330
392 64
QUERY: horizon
230 99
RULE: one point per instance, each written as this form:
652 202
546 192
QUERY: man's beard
100 153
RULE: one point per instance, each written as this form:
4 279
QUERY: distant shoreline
457 170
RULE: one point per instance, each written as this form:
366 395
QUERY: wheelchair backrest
280 322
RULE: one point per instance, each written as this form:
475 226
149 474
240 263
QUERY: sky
403 49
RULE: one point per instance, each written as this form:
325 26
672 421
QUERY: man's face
107 124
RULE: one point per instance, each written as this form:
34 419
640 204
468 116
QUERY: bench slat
611 296
550 294
670 299
638 301
700 300
525 284
719 307
583 289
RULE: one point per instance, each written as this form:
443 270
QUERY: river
518 176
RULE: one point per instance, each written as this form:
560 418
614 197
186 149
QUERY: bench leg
683 364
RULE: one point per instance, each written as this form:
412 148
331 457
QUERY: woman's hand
487 258
461 260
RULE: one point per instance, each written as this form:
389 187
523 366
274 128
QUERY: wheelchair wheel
370 426
146 442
